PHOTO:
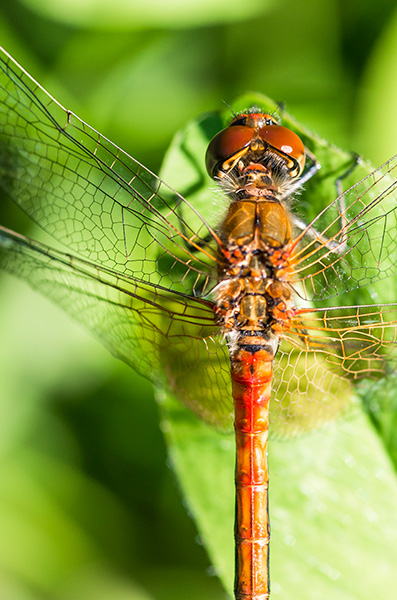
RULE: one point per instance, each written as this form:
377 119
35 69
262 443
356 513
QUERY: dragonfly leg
355 160
336 246
314 167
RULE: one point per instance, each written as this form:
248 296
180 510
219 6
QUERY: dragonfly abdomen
251 371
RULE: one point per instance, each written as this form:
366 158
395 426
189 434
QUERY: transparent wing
164 334
161 334
94 198
321 358
145 257
351 243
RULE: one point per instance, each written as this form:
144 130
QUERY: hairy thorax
254 293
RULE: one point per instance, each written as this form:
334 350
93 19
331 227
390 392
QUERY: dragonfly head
255 137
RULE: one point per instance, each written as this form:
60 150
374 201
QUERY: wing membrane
323 356
93 197
351 243
157 332
144 260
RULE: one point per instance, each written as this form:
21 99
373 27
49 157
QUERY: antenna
230 108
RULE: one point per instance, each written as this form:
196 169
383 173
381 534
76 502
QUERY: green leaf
332 494
333 498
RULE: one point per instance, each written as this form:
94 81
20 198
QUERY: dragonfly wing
351 243
200 377
322 358
93 197
150 328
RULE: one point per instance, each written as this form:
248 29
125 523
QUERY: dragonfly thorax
251 294
256 161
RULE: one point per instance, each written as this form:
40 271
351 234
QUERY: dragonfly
245 310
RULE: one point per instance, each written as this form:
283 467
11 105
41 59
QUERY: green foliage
88 506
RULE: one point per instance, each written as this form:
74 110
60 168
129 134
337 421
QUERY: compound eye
239 120
286 142
227 143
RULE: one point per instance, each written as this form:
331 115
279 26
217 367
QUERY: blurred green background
88 505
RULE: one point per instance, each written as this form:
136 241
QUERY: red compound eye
243 130
226 143
285 141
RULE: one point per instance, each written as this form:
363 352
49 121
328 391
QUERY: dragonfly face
255 135
172 294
